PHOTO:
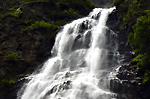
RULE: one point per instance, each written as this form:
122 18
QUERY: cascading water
84 54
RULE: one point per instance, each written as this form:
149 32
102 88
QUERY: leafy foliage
17 13
40 25
140 40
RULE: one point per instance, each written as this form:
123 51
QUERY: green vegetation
140 43
12 56
17 13
41 25
140 40
135 15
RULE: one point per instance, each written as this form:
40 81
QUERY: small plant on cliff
17 13
40 25
12 57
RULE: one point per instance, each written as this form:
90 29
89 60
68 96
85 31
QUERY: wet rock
82 40
127 85
126 73
124 48
66 85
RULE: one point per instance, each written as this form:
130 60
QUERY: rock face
123 48
126 83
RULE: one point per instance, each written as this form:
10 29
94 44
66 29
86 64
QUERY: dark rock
15 88
103 3
127 85
124 48
126 73
66 85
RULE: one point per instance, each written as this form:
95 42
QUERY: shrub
12 57
17 13
40 25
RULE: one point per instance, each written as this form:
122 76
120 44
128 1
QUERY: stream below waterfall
83 57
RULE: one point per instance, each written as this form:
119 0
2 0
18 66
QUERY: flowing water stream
84 54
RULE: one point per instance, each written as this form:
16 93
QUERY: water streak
84 53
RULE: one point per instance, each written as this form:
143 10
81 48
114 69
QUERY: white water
84 53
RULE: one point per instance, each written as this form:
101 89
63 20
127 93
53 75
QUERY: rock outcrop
128 85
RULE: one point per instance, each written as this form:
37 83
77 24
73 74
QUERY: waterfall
83 56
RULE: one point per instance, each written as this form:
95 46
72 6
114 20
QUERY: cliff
131 23
28 29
